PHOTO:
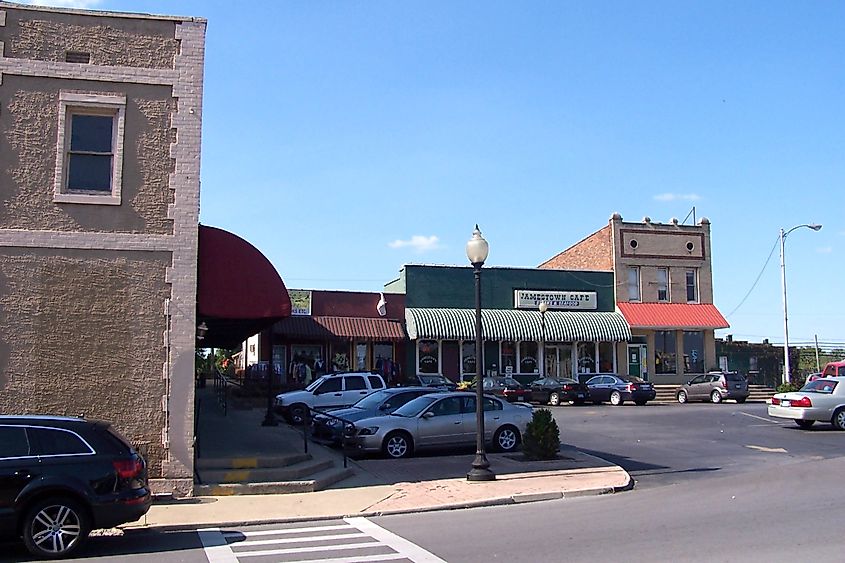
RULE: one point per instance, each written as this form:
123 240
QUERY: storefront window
361 356
528 357
428 356
586 357
664 351
508 356
340 357
467 359
693 351
606 357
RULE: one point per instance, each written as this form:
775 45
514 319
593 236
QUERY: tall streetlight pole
543 307
477 250
815 227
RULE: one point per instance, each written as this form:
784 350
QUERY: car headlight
369 431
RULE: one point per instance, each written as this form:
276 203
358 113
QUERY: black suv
61 477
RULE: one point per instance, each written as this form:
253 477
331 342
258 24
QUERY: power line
758 277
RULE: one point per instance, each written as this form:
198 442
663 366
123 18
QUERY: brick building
100 119
664 288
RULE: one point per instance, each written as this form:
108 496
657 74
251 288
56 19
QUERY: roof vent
77 57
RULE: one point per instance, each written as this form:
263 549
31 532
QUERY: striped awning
510 324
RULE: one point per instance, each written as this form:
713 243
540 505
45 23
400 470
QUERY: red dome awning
239 292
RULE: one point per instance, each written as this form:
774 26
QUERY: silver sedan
822 400
441 420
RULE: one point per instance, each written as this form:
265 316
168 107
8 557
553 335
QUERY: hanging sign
300 302
531 299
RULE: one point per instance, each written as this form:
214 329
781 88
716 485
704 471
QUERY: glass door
558 360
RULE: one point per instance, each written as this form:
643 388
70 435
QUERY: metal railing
306 428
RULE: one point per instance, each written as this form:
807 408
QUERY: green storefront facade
582 331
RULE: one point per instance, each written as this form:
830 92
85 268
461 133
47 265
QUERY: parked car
822 400
61 477
506 388
333 390
440 420
714 387
554 391
616 389
834 369
329 427
431 380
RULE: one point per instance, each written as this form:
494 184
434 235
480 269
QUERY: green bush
542 436
788 387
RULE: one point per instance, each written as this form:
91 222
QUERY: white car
822 400
331 391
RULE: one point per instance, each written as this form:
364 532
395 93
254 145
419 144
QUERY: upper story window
692 286
663 284
633 283
89 157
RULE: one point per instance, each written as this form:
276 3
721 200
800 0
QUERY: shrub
542 436
788 387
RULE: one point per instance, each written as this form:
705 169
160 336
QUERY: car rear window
116 441
820 386
734 377
13 442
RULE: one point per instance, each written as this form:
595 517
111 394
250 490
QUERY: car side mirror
428 414
384 407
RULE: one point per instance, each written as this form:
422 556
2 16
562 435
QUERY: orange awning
673 316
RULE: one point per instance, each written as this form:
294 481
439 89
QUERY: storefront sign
300 302
531 299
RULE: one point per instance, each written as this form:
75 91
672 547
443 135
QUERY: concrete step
315 482
758 393
266 474
250 462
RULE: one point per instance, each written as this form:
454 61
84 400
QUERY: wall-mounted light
201 330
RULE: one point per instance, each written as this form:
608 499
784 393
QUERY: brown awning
239 292
318 327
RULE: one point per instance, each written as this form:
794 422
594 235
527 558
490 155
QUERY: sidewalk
377 486
382 486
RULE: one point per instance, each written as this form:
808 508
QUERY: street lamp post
477 250
815 227
543 307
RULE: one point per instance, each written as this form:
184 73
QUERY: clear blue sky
345 139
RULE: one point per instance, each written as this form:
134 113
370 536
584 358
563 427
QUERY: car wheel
839 419
715 397
554 399
616 398
805 424
506 438
682 397
397 445
298 413
55 527
740 401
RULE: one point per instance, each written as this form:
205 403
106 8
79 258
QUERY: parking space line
769 420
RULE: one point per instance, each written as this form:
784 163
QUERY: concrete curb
501 501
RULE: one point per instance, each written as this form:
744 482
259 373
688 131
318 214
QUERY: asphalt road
713 483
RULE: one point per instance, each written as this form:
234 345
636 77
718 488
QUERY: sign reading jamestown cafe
531 299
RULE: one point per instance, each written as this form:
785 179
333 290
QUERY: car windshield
820 386
734 377
511 382
372 401
433 380
313 385
632 379
415 406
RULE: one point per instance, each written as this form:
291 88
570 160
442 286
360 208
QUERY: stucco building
664 288
100 119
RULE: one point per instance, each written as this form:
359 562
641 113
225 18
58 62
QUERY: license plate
738 385
580 395
784 403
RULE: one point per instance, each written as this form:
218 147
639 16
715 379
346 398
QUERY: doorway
637 358
558 360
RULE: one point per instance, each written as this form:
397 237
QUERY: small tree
542 436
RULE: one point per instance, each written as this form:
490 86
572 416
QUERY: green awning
514 324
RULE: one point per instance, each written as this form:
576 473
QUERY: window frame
107 105
635 270
694 272
663 285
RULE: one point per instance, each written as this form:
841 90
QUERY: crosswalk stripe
355 559
410 550
281 531
216 548
312 549
253 543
